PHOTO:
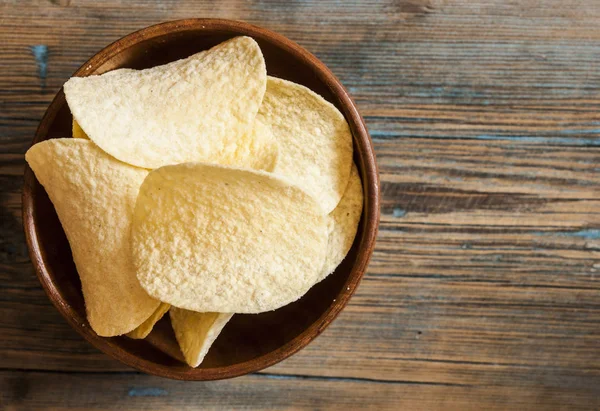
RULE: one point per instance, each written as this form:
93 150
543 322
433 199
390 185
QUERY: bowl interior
248 342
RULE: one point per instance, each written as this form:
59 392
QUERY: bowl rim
370 217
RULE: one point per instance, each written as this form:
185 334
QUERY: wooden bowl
249 342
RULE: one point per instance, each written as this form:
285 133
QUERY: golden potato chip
257 150
193 109
144 328
94 196
78 131
343 223
196 332
217 239
315 143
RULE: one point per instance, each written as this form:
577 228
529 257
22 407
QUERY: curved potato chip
188 110
94 196
343 223
257 150
216 239
196 332
146 327
315 143
78 131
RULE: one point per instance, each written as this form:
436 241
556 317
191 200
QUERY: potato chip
196 332
146 327
94 196
193 109
257 150
315 143
78 131
216 239
343 223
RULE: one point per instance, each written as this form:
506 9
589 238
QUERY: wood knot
415 7
63 3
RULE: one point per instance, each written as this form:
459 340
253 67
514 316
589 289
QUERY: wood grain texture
484 288
131 391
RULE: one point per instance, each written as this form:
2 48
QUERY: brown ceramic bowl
249 342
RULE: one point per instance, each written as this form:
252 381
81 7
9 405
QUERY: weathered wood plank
501 275
484 290
131 391
438 54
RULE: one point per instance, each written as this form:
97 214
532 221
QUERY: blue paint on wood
544 140
384 134
40 53
591 131
280 377
588 234
398 212
147 392
556 141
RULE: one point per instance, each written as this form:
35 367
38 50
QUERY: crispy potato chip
78 131
94 196
146 327
196 332
216 239
193 109
315 143
343 223
257 150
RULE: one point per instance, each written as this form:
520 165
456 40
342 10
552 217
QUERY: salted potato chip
315 143
146 327
193 109
257 150
78 131
210 238
196 332
343 223
94 196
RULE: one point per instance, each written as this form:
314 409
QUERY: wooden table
484 288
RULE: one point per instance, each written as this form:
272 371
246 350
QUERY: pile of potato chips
202 187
